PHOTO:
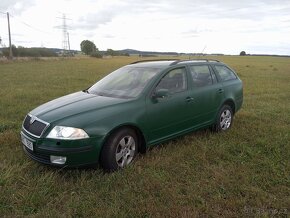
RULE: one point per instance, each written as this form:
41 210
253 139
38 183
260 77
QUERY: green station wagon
137 106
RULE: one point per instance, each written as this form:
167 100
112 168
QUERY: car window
201 75
225 73
175 81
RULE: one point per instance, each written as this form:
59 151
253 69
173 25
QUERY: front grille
36 128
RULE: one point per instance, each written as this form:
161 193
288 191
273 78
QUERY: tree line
29 52
87 47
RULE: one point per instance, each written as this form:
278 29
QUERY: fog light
57 159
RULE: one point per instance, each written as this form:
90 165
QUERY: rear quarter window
225 73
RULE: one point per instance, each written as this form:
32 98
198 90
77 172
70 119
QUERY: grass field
243 172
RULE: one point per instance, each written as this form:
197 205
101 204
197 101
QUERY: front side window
225 73
174 81
201 75
126 82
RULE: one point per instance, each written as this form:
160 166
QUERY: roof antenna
202 51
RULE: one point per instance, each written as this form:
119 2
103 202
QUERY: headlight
63 132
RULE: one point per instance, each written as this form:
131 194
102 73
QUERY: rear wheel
224 120
119 150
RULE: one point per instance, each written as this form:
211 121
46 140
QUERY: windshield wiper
86 91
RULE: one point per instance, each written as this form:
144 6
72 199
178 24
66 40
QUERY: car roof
163 63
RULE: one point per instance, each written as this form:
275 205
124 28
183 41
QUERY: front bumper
77 152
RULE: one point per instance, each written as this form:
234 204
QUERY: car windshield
126 82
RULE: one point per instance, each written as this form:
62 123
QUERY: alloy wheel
125 151
225 119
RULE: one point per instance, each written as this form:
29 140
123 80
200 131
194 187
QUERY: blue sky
228 26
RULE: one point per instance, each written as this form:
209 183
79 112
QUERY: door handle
220 90
189 99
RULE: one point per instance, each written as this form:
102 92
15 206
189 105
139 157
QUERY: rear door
206 92
233 87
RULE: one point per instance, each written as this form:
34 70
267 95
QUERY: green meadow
244 172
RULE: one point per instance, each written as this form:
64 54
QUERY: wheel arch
141 138
231 103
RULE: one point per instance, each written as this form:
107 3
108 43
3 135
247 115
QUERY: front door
169 115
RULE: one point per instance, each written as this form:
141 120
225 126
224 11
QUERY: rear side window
201 75
225 73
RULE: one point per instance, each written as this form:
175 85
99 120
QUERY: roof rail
136 62
206 60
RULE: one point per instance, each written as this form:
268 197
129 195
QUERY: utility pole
10 46
68 44
64 28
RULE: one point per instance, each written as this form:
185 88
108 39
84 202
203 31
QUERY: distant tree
88 47
96 54
21 51
6 51
110 52
242 53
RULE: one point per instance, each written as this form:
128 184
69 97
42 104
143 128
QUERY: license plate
27 143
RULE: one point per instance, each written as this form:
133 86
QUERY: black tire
224 119
119 149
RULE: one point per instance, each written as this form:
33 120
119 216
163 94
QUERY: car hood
73 105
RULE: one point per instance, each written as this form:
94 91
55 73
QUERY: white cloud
15 6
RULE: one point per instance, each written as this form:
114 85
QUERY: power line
9 32
28 25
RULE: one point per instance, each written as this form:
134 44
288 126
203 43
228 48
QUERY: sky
220 26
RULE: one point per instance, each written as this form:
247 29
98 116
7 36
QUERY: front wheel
119 150
224 120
